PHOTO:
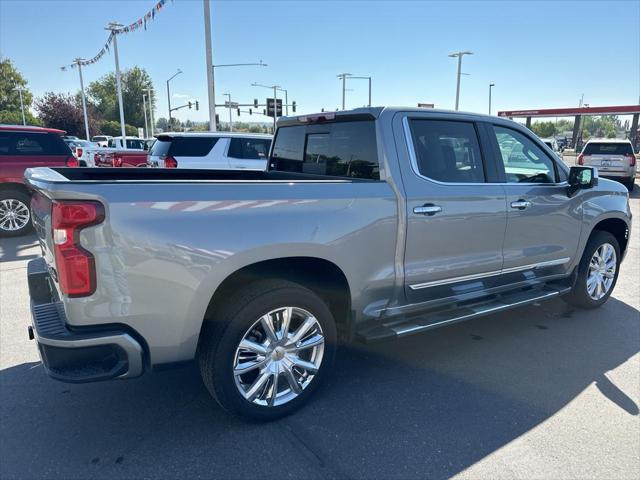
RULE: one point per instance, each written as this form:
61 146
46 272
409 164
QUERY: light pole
459 55
24 120
343 77
78 62
210 80
366 78
150 97
114 27
144 109
286 99
491 85
228 95
168 93
275 101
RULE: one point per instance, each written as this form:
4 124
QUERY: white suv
613 157
210 150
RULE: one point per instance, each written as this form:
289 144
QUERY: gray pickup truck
369 224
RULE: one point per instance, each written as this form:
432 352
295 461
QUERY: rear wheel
630 184
15 216
597 272
267 349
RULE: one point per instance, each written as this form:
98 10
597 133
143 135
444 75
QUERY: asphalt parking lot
537 392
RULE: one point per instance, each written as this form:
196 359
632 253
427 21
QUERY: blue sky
539 54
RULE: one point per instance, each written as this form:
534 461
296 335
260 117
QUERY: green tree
111 127
10 111
102 94
544 129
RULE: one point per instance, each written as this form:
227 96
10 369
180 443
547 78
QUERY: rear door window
608 148
339 149
249 148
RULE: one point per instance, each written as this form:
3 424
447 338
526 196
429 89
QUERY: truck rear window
339 149
622 148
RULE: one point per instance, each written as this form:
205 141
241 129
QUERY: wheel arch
616 227
14 187
319 275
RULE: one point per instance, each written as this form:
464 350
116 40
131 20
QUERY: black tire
630 184
579 296
24 199
222 334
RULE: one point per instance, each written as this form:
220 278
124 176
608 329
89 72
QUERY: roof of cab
30 128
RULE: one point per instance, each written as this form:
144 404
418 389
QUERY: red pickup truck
124 158
23 147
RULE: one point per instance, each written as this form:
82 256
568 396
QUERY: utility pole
491 85
169 95
210 80
84 101
286 99
343 77
365 78
150 96
228 95
24 120
144 109
459 55
114 27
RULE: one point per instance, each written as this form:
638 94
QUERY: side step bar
395 327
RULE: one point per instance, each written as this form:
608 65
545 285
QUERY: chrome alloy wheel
602 271
278 356
14 215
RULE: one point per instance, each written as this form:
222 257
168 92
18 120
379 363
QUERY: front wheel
267 349
597 272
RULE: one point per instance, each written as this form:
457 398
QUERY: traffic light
197 106
238 112
255 103
250 112
189 105
293 106
264 111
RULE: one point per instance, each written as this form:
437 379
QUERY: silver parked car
613 157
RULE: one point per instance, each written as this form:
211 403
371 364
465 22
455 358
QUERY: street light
258 64
150 97
20 89
491 85
114 28
366 78
459 55
275 100
343 77
144 109
169 95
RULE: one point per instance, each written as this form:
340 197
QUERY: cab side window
522 159
447 151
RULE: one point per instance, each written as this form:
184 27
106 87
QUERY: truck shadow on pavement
14 248
427 406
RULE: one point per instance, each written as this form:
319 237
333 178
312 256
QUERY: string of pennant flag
140 23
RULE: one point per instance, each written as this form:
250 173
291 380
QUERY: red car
23 147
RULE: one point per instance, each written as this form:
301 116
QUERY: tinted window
523 160
190 146
447 151
160 147
249 148
21 143
608 149
340 149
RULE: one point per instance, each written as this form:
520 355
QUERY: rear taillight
632 159
79 152
75 266
116 161
581 159
170 162
71 162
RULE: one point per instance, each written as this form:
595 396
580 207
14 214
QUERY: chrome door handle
427 209
520 204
